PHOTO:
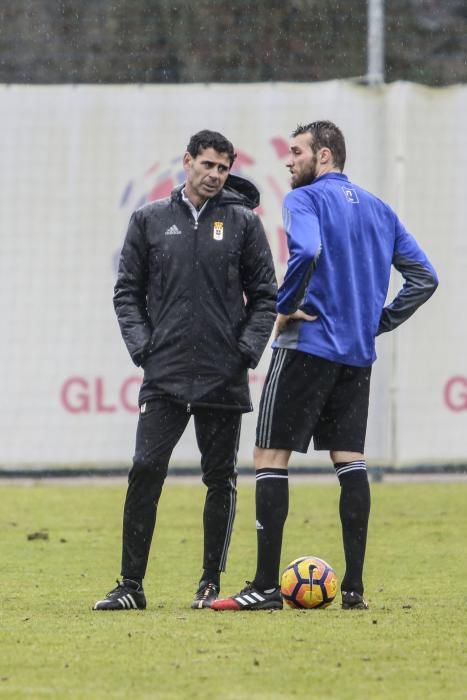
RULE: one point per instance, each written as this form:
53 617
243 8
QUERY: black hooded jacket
196 300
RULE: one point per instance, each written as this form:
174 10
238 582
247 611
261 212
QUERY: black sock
272 505
354 511
138 581
211 577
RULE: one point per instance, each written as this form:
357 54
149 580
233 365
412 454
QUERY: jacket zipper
195 252
194 309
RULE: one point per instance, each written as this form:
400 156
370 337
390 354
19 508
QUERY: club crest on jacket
218 230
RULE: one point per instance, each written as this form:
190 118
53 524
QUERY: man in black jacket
195 300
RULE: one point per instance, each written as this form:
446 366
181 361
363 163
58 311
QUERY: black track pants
160 427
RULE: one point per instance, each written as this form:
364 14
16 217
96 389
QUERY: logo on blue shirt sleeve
350 195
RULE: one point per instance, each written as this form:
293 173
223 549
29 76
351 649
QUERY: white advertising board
77 160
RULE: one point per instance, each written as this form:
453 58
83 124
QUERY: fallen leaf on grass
38 536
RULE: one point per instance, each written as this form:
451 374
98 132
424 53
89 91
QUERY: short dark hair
325 135
210 139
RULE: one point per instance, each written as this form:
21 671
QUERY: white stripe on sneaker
240 600
249 598
127 601
132 601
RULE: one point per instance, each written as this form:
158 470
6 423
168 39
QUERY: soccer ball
308 582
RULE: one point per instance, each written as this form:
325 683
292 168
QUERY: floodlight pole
375 42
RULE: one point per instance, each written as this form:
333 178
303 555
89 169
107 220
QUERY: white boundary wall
75 161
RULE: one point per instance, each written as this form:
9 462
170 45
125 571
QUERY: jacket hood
237 190
249 193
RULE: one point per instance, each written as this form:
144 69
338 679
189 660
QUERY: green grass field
411 644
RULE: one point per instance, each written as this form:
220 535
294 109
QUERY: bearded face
304 173
302 161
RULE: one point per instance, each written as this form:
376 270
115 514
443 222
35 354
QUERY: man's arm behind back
420 281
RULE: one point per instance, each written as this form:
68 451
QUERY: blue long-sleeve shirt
342 243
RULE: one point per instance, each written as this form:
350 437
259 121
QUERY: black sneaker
353 601
127 595
251 598
205 595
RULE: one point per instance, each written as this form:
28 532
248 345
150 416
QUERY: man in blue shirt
342 244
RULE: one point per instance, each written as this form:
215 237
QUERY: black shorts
306 396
